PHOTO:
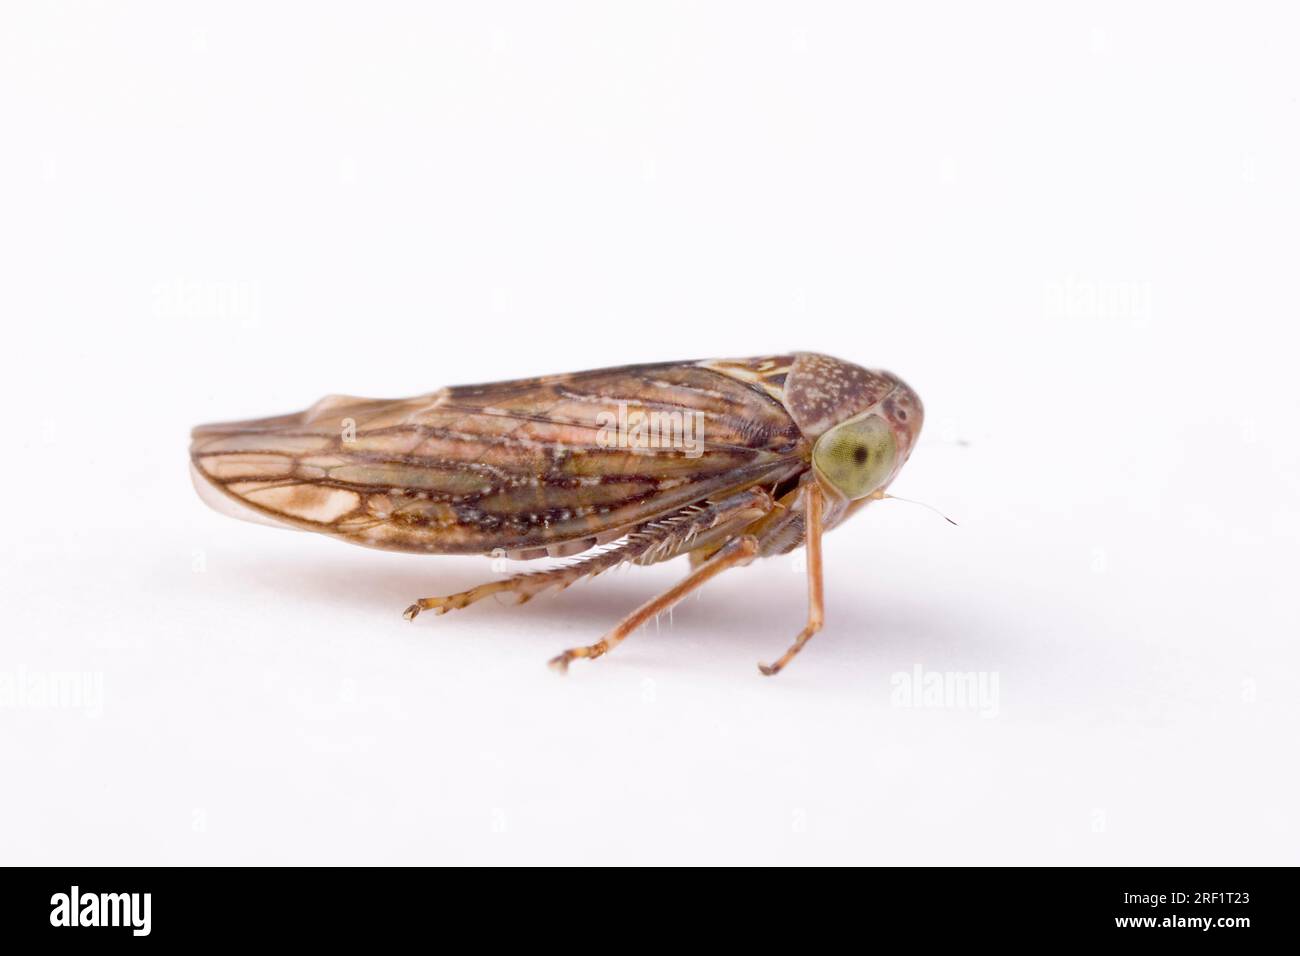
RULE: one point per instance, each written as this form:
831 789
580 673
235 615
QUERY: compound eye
856 457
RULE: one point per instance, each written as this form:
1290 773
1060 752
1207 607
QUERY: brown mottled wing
513 465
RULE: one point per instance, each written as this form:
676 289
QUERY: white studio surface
1072 231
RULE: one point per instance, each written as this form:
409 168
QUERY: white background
1072 230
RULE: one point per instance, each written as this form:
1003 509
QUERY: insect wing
533 466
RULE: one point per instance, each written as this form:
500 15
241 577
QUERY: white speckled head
850 412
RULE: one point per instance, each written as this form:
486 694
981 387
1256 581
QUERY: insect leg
813 542
648 544
531 583
738 551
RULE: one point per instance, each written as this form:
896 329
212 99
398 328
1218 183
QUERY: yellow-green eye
857 456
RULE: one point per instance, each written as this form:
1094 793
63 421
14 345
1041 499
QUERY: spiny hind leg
519 585
738 551
526 586
652 542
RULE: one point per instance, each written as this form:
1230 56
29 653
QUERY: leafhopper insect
725 461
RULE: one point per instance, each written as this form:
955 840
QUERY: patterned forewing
522 466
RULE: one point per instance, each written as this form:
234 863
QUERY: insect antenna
880 494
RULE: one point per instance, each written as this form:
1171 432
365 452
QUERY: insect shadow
872 630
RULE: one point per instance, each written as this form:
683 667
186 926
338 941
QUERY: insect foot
426 604
771 670
560 662
438 605
737 551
